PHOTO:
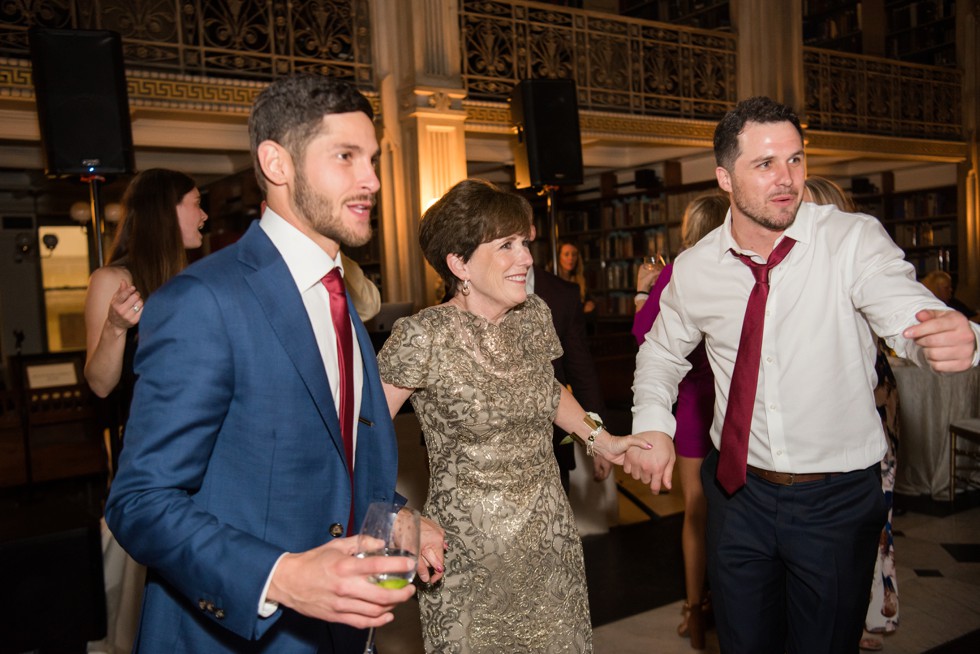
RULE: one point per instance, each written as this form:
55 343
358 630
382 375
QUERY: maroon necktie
334 283
745 377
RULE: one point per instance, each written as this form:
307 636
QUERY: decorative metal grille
618 64
856 93
243 39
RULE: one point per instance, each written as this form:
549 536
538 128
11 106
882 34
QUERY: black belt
790 478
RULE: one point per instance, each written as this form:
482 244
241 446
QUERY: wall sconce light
80 212
113 212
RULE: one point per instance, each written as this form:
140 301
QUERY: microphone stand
552 193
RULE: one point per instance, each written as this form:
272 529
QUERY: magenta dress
696 392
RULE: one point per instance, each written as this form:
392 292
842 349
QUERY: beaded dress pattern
486 397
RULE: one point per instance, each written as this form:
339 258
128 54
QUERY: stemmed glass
389 530
654 262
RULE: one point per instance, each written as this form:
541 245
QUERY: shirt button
768 359
779 452
772 407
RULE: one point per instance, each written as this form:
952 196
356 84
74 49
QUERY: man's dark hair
290 112
759 109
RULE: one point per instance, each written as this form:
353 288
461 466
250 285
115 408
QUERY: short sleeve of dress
404 358
538 329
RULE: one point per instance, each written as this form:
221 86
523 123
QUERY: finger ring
137 307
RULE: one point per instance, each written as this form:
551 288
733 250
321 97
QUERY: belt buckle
792 478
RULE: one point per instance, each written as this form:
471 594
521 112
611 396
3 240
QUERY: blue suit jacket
233 455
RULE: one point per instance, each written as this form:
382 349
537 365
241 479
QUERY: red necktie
334 283
745 377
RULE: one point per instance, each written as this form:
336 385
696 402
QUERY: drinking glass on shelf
389 530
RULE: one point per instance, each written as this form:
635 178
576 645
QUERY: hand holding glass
389 530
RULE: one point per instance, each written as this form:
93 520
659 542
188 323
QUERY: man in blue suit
234 487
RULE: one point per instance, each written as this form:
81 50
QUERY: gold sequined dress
486 396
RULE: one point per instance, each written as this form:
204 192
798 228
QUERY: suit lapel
276 292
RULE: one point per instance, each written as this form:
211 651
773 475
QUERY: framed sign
51 370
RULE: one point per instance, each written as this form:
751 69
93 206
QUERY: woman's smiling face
497 273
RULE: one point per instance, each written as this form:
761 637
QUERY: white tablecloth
928 402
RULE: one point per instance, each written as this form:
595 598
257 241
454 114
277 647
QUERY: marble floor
937 552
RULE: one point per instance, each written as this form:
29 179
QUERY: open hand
653 465
432 552
613 448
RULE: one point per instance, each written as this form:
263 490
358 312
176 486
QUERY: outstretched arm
571 418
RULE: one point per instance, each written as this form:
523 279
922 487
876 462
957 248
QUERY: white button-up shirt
814 408
308 264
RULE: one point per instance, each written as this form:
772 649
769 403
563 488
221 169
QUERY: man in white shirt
791 543
259 431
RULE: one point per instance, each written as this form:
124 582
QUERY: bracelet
593 422
642 293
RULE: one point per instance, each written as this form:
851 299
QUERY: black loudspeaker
82 104
549 144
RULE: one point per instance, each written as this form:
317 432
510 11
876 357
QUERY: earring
465 289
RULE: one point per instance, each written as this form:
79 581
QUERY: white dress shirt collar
307 262
800 231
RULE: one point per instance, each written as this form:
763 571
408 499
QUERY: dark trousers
790 567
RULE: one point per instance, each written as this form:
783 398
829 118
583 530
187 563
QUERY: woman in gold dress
478 371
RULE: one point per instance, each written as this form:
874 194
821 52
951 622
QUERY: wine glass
389 530
654 262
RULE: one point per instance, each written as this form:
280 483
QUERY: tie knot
333 281
761 270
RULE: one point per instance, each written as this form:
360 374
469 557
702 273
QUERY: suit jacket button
219 614
202 604
210 607
336 530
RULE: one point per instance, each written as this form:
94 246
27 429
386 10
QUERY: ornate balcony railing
245 39
855 93
621 65
618 64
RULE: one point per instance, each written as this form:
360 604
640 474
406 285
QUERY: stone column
423 144
968 54
770 53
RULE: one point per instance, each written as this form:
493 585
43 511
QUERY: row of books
626 245
924 205
614 276
632 212
940 259
913 235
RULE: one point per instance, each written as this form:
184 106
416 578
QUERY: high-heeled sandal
682 628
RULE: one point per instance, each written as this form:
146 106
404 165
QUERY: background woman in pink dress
694 412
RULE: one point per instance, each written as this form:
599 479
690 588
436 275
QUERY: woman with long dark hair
162 218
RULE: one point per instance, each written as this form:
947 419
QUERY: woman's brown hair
148 241
471 213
